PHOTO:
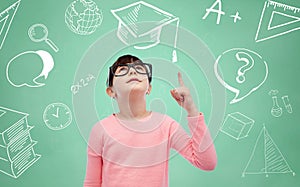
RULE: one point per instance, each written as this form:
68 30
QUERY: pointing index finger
181 83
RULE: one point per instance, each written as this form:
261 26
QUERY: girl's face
131 84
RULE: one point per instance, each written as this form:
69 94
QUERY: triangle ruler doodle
6 17
266 157
277 19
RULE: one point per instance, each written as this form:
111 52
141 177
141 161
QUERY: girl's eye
122 69
140 68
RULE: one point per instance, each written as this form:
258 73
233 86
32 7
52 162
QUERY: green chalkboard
239 59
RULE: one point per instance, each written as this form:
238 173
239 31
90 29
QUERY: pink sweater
136 153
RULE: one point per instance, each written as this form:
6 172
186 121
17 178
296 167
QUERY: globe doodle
83 17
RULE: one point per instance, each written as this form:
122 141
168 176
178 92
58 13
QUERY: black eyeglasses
123 69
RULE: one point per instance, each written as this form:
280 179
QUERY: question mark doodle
242 70
231 78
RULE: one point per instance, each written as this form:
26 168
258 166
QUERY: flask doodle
242 70
276 110
240 79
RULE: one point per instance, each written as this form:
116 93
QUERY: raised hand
183 97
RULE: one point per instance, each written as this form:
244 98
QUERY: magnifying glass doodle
38 33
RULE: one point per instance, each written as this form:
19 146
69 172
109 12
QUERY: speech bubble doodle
20 69
241 71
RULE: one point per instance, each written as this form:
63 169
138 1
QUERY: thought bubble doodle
22 69
241 71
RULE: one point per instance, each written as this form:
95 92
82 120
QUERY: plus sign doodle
236 17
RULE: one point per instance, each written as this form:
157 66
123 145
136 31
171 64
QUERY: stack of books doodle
16 146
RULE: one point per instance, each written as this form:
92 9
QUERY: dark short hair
125 59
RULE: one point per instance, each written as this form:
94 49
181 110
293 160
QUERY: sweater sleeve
198 148
93 176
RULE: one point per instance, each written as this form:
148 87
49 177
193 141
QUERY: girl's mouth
133 79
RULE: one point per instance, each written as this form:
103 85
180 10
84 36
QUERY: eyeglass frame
109 81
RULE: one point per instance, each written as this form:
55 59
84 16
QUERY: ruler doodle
6 17
277 19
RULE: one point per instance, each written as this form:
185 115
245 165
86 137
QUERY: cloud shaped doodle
241 71
27 67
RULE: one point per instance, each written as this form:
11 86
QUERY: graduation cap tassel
174 56
174 53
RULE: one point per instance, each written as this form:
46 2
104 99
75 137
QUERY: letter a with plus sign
218 11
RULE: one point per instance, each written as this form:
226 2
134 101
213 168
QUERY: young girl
131 148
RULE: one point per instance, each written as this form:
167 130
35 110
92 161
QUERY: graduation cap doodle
141 24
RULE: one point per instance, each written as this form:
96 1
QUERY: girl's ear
110 92
149 89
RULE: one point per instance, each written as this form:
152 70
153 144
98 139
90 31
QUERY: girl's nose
132 71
